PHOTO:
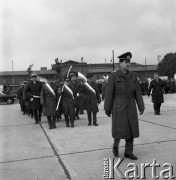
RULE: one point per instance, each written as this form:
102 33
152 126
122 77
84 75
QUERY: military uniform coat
48 100
34 90
76 88
122 94
157 91
91 99
67 103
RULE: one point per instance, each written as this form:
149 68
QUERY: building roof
70 62
22 73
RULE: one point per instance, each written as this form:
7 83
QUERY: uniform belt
36 96
124 96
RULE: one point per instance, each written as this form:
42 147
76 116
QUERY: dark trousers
37 115
69 120
128 145
76 113
51 121
156 107
89 115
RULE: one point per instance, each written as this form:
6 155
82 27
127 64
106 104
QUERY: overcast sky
38 31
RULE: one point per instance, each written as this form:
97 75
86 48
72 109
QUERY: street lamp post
13 77
113 59
82 64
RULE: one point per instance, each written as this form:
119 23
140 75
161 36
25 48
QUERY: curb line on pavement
57 155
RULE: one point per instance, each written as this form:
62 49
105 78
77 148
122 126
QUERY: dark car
8 98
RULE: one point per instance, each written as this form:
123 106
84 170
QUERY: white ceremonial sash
50 89
90 88
69 90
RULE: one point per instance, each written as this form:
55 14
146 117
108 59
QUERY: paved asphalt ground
33 152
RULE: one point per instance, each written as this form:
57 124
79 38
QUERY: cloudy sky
38 31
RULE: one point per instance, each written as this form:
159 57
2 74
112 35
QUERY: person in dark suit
68 104
92 99
48 100
76 87
157 87
122 94
33 90
21 99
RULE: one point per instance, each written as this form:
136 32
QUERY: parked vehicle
8 98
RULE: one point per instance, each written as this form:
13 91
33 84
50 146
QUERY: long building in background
93 71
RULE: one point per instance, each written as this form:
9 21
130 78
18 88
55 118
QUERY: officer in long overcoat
76 87
21 99
33 90
157 87
68 104
91 102
48 100
122 94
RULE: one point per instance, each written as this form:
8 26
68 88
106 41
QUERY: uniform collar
121 73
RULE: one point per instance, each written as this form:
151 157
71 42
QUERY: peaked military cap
125 56
33 75
72 74
66 79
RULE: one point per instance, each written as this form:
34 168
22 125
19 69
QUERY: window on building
4 81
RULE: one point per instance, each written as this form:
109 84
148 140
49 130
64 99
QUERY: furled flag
69 90
90 88
50 89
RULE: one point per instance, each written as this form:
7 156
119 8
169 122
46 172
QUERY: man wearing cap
20 98
48 100
157 86
67 103
33 90
76 87
122 94
91 102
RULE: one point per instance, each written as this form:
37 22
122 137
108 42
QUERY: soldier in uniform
91 102
20 98
76 87
48 100
157 86
33 90
67 104
122 94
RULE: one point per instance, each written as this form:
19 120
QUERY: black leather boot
89 115
95 119
67 121
72 119
49 122
53 122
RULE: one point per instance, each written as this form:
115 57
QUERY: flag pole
62 90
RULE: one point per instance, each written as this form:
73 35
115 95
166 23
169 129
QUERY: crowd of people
121 92
169 86
54 99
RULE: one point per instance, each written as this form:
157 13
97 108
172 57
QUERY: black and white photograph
87 89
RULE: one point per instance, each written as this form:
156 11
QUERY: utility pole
145 69
113 59
13 76
105 66
82 63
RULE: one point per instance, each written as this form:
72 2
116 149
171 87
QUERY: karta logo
112 169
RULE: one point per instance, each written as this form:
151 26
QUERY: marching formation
121 93
53 98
